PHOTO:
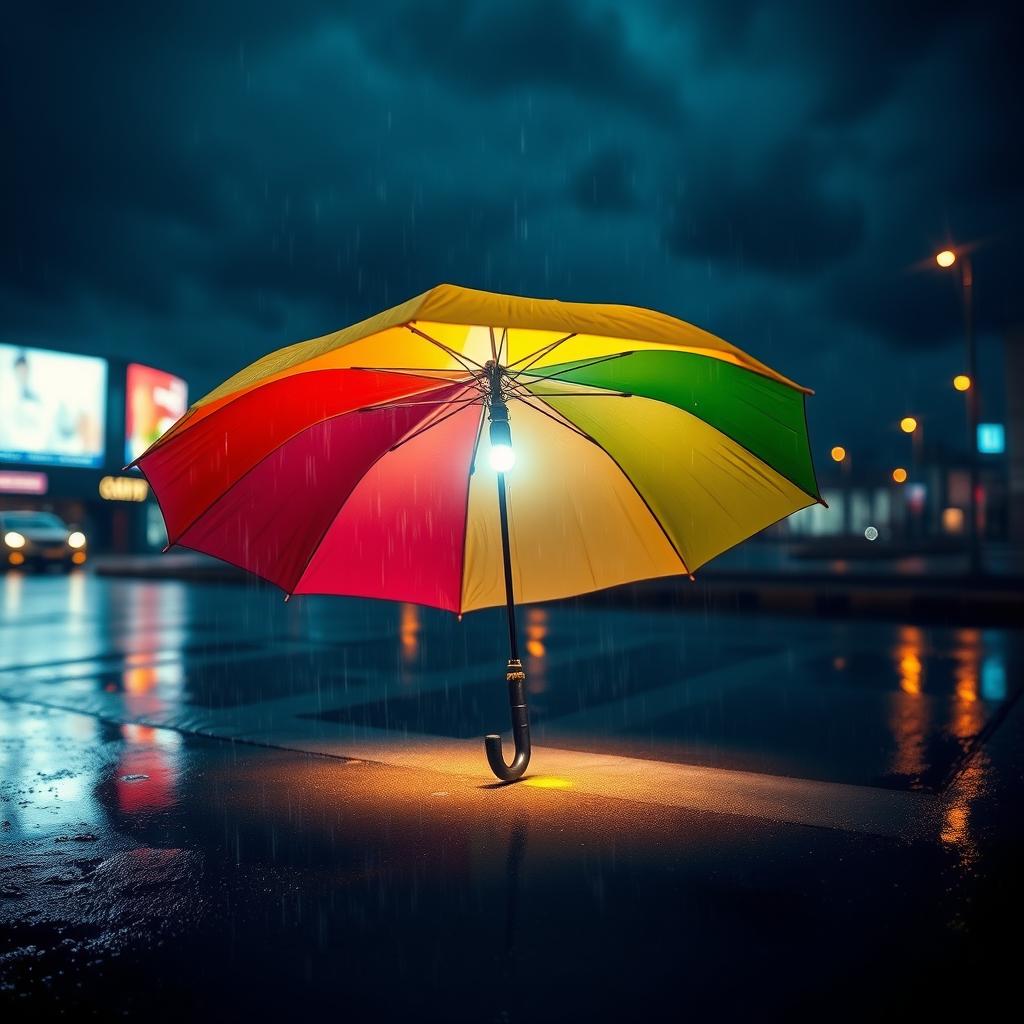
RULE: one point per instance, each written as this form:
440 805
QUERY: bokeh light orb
946 258
871 533
962 382
899 475
838 453
908 424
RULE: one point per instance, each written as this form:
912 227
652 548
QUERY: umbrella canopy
357 463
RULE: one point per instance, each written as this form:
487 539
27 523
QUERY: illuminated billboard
154 400
52 407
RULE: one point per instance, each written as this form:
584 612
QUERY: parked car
37 539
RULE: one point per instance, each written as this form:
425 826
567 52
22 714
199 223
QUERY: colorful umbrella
357 463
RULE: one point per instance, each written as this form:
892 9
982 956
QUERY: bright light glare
946 258
14 539
871 533
503 458
899 475
76 539
838 453
908 424
962 382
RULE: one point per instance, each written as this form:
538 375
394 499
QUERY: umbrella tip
165 549
823 502
460 616
287 598
693 579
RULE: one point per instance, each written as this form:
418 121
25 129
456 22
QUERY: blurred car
36 539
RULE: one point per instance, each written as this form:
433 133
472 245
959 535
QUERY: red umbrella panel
290 482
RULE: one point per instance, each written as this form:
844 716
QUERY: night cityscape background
836 190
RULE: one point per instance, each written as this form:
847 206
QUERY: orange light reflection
536 650
908 715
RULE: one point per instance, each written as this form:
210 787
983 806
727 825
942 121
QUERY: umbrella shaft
506 556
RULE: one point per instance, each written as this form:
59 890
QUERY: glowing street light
908 424
840 455
899 475
967 383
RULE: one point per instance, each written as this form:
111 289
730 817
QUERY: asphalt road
213 803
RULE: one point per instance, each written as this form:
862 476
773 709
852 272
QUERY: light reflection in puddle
147 772
909 714
41 792
13 583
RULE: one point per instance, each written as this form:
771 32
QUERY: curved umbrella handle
520 729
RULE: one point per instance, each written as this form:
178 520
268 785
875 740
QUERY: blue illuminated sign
991 438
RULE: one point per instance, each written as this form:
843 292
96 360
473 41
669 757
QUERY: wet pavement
215 802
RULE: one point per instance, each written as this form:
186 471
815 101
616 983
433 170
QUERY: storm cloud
194 184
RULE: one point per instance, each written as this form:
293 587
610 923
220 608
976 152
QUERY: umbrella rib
574 366
404 371
527 389
583 394
629 480
556 419
764 462
465 518
403 405
463 359
539 353
424 427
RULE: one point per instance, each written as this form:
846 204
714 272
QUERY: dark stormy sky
193 184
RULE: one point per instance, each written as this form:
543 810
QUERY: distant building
1015 434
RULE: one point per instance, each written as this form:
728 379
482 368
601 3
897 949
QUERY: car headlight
13 539
76 539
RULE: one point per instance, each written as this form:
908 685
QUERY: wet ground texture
834 830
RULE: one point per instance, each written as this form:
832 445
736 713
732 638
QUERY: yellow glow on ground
547 782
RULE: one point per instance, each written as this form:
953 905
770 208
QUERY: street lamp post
842 456
912 425
948 258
